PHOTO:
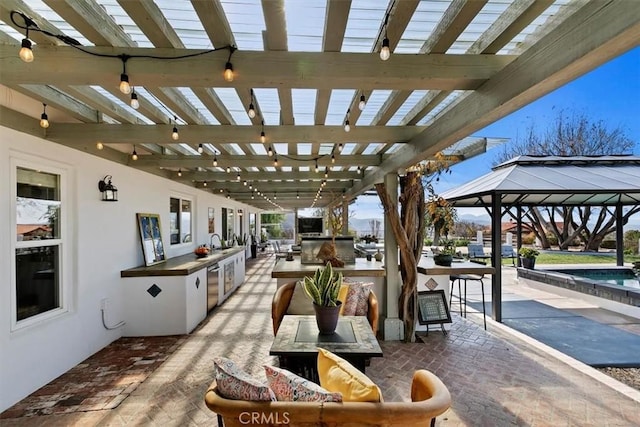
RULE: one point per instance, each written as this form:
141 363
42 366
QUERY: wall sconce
108 190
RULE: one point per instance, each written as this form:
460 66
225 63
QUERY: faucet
211 241
234 239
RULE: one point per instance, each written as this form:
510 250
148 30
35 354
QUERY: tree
572 135
272 223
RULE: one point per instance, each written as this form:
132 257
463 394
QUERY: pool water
620 277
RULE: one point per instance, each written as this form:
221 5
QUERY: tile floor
496 377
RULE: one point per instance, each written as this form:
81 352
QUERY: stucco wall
103 240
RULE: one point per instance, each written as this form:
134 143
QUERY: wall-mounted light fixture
108 190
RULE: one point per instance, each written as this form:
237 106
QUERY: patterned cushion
234 383
356 302
288 386
300 302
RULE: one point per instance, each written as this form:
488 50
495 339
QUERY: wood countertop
428 267
284 269
182 265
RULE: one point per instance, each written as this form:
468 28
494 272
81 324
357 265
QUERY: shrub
528 252
608 244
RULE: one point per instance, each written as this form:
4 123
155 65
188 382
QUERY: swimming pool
616 284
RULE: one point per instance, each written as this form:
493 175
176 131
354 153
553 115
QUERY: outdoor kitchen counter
182 265
284 269
428 267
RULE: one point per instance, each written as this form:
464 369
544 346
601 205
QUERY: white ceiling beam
77 134
562 55
325 70
260 161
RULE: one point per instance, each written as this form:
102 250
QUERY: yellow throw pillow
342 296
338 375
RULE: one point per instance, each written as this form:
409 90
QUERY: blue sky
610 93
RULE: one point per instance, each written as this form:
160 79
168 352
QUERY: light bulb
270 152
134 155
244 183
174 134
99 145
44 121
362 103
204 183
228 72
252 111
124 84
385 53
347 127
215 160
179 172
263 138
340 147
238 176
26 53
275 162
200 148
228 169
134 101
316 168
333 158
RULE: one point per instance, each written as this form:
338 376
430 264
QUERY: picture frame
212 221
151 238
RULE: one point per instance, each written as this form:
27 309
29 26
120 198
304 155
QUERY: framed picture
212 221
151 238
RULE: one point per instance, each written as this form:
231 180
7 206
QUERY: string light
174 133
297 195
326 172
99 145
200 149
134 155
316 168
385 52
228 169
238 177
244 183
359 169
125 87
135 104
270 151
263 137
26 53
347 127
215 160
204 183
362 103
252 110
333 158
228 67
340 147
275 161
44 119
179 172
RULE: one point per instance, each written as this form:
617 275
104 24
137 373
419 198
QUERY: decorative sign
431 284
432 307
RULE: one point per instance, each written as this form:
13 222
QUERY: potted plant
528 257
323 288
445 256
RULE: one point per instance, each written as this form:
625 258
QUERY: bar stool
465 278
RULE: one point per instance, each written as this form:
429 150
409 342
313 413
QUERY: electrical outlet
103 303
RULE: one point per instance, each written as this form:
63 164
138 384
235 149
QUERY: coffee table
297 341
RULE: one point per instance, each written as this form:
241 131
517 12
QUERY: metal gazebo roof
555 180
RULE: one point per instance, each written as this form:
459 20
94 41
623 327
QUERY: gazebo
524 181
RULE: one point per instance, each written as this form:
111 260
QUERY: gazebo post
518 232
619 236
496 256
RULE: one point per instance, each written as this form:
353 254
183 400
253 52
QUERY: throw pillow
290 387
300 302
338 375
342 296
356 302
234 383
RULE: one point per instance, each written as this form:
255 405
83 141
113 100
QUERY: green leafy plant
528 252
323 288
448 247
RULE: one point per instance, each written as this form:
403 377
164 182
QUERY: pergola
525 181
303 68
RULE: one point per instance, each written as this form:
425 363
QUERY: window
39 242
179 220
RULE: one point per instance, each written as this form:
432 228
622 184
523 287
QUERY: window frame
63 242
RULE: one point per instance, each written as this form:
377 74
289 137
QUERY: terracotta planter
327 318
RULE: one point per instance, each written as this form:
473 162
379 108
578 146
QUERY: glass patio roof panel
120 17
195 101
422 24
229 97
338 105
374 104
121 104
305 24
363 25
269 103
186 23
406 107
246 21
303 101
141 91
304 149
